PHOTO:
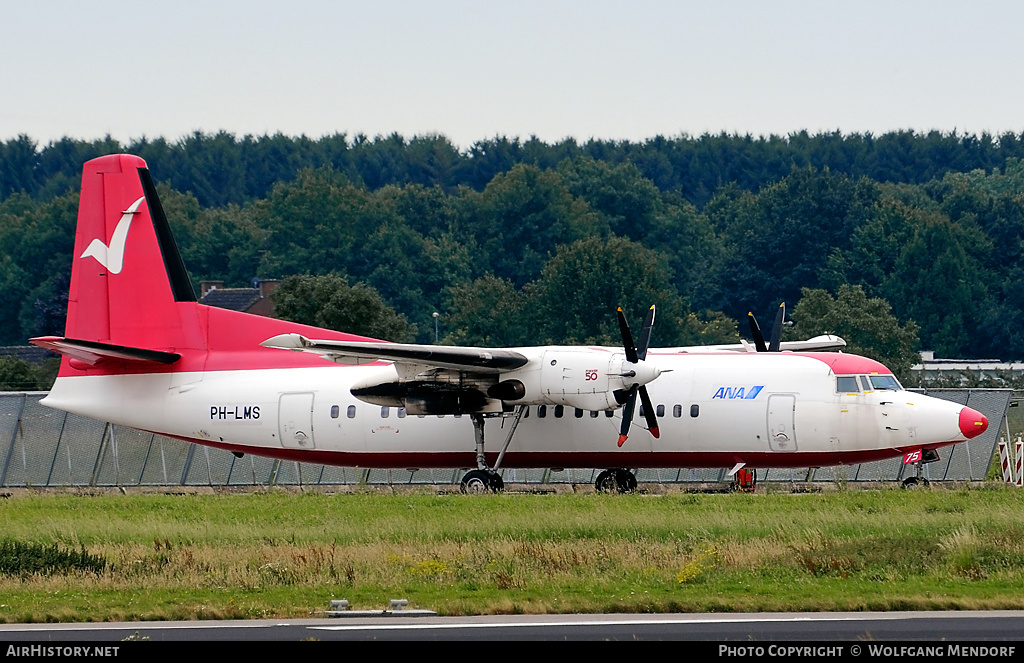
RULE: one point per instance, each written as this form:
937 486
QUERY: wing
816 344
470 360
425 379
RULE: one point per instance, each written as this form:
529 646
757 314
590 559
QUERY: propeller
775 343
634 355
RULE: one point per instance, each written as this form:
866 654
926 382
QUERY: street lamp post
436 316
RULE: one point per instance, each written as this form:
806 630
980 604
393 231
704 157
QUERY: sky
478 69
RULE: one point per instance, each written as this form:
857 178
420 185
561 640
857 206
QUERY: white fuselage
714 410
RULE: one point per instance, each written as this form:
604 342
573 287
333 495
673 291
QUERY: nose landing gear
918 459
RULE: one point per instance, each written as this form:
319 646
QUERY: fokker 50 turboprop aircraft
139 351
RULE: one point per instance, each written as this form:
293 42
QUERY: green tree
875 246
19 375
626 199
487 312
519 219
779 240
935 283
12 295
575 299
313 224
866 324
711 328
329 301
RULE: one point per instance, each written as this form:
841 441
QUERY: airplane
138 350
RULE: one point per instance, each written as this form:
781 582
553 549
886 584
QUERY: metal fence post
99 456
14 437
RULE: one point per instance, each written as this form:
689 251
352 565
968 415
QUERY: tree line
220 169
896 242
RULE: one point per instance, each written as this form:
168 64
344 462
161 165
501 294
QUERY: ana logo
743 393
112 257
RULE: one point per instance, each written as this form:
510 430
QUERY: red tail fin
127 279
132 308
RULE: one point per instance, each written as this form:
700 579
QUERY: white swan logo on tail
112 256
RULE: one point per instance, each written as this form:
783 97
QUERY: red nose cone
972 423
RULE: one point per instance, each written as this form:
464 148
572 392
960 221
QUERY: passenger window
660 410
384 412
542 411
558 411
401 413
694 410
847 384
351 412
578 413
526 412
594 414
609 413
677 410
335 411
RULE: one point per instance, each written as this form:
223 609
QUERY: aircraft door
295 421
781 416
895 421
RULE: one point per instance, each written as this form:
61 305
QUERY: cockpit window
864 383
846 384
885 382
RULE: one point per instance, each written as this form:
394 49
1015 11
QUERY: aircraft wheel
615 481
482 481
607 482
627 481
912 483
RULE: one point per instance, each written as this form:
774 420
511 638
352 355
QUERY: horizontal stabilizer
92 352
484 360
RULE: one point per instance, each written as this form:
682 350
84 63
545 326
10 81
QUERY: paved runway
794 627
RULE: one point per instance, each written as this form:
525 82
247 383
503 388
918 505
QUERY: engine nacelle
583 378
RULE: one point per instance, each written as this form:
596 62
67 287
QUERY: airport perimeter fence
45 448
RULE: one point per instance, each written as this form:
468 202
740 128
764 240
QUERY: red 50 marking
591 374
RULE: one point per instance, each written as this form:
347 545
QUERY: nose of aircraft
972 423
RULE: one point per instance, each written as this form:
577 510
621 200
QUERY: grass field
285 555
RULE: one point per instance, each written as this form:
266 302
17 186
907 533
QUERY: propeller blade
627 415
627 339
634 355
780 316
645 334
652 420
755 331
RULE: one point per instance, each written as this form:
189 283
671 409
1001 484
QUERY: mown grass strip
284 555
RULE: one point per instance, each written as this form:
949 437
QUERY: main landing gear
616 480
484 479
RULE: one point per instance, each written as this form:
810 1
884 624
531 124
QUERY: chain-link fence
42 447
